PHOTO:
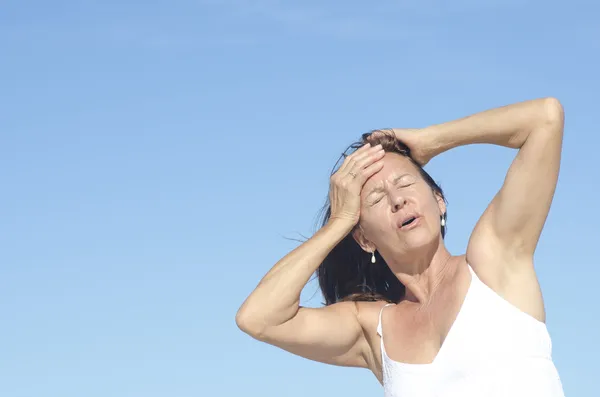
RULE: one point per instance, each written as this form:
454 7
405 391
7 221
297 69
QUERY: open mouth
408 221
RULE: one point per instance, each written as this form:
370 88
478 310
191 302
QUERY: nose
398 201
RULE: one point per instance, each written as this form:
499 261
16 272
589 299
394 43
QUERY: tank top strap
379 327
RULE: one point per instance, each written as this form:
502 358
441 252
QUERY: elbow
249 324
547 123
553 113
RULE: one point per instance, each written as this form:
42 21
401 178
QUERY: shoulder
368 317
368 312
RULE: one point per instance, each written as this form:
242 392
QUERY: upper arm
330 334
508 231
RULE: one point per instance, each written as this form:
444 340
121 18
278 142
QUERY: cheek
376 223
428 199
369 222
432 206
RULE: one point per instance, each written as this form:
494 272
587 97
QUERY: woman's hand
347 182
414 139
417 141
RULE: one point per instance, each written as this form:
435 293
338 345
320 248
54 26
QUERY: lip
412 225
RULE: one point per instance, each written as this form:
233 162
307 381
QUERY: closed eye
405 180
377 200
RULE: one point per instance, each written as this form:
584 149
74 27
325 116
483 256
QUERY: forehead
394 166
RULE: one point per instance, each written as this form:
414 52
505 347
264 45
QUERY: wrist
433 141
340 226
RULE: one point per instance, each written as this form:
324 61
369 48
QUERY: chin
420 237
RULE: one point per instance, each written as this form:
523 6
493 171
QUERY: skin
376 190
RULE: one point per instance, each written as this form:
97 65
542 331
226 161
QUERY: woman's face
399 211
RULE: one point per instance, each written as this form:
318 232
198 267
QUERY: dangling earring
373 257
443 222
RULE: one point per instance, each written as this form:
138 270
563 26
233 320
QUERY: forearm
276 298
507 126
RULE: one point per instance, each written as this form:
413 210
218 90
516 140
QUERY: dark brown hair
347 273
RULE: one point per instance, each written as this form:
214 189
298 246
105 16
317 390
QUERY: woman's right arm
272 313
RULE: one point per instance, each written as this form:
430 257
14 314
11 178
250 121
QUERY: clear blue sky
157 155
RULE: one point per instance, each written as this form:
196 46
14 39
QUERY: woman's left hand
416 140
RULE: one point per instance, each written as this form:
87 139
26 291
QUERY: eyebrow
379 187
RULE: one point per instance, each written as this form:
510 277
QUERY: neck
422 276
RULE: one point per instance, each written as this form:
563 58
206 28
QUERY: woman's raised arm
503 242
272 312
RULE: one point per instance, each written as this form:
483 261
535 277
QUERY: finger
370 170
366 152
365 161
354 158
368 159
362 149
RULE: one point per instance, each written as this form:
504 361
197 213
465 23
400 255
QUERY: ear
441 203
359 237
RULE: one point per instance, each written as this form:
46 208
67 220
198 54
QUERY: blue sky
158 156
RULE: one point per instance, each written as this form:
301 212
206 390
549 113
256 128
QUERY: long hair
347 273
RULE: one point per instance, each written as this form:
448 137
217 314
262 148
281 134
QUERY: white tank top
493 349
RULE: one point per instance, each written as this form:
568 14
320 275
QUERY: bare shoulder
368 317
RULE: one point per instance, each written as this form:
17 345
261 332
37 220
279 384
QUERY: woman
468 325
